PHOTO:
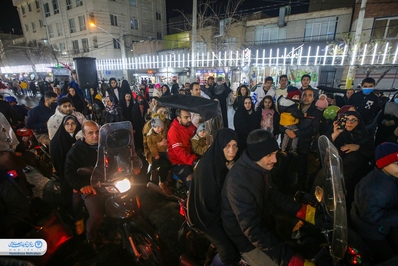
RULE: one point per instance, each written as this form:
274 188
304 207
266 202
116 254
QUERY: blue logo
38 244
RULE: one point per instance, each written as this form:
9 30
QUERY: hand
336 129
347 148
290 133
136 171
87 190
162 143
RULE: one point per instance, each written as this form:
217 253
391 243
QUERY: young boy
261 91
290 113
199 145
157 144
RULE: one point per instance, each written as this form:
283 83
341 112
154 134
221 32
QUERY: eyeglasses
351 120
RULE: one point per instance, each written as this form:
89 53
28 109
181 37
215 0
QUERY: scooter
113 177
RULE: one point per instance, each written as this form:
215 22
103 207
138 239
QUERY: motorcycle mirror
319 193
84 171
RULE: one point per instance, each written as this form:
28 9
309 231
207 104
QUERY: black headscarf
168 90
359 135
77 102
204 201
61 144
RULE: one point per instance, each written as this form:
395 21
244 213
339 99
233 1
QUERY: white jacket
260 93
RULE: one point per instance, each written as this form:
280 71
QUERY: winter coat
145 130
260 93
80 155
199 145
374 210
289 111
248 201
153 139
38 117
179 143
308 127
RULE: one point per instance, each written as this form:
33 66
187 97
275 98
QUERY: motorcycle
210 112
112 176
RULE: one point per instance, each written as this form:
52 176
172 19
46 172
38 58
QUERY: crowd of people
230 180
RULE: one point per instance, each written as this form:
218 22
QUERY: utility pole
193 39
358 31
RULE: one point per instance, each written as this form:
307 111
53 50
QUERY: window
159 35
33 26
41 23
69 4
269 34
95 42
26 27
133 2
85 45
29 7
385 28
158 16
230 44
79 3
50 31
75 47
59 29
82 23
116 43
134 23
320 29
113 20
23 10
55 7
46 10
72 25
201 47
62 48
37 4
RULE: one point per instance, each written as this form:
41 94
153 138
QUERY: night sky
10 19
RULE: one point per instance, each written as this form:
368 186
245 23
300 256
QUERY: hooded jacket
179 143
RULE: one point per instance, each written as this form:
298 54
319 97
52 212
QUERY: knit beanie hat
291 94
260 149
385 154
201 127
157 121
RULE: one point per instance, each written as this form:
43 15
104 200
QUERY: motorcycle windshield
115 151
334 195
8 139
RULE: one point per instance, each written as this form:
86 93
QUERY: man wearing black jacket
247 203
308 127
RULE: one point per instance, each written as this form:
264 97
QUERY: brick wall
378 8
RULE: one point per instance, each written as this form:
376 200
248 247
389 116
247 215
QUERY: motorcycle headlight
123 185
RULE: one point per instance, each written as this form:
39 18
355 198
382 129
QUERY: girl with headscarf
127 107
355 148
115 93
78 103
204 200
139 112
97 106
268 115
245 121
242 91
60 145
112 113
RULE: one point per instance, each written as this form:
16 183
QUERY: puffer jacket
375 209
289 111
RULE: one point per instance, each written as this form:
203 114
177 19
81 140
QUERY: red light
106 161
12 173
182 210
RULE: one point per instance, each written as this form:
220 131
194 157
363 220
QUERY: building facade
92 28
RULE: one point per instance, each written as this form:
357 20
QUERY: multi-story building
104 29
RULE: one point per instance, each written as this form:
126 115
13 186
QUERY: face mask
367 91
395 100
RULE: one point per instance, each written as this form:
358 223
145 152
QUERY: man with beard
179 146
64 108
38 117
